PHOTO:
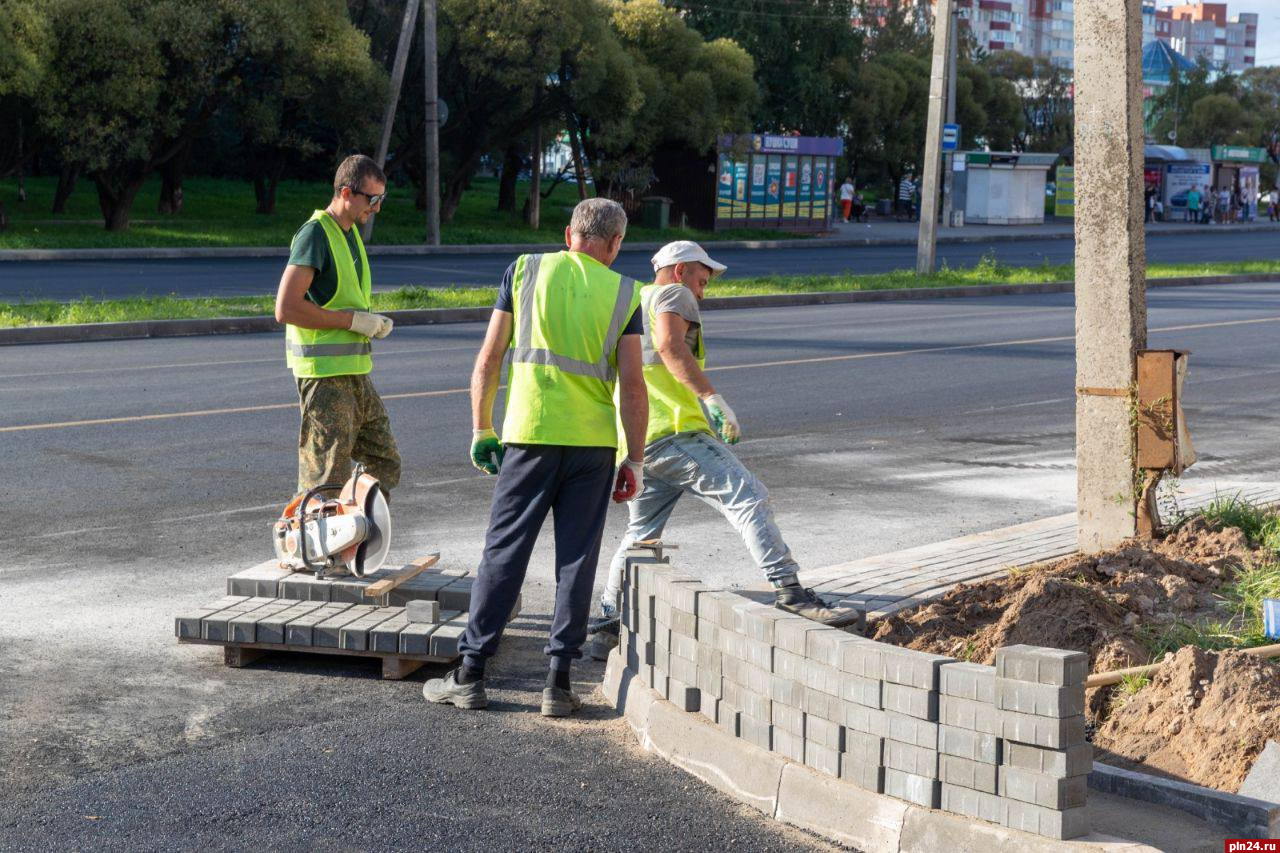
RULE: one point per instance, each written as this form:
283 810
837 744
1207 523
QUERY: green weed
1235 511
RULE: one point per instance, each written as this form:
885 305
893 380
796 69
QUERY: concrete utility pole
393 94
431 103
1111 308
948 166
926 247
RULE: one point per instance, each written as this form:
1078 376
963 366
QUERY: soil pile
1204 718
1108 605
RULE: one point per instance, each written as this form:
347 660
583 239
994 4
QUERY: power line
703 7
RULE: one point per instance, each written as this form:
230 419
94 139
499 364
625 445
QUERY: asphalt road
256 276
140 474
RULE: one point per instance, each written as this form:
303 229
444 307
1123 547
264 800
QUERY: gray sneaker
559 703
447 691
794 598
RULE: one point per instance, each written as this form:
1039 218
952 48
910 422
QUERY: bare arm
668 339
633 397
292 306
488 370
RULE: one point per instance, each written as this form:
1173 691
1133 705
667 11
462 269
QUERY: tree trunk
4 217
507 182
171 174
579 170
115 200
266 179
456 186
67 177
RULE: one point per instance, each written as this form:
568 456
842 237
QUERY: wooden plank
417 567
280 647
394 669
238 656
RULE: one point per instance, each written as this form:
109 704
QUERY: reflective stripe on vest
315 353
673 407
570 311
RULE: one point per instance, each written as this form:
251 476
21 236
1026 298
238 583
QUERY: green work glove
723 419
486 450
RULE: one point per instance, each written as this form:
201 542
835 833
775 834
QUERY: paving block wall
1001 743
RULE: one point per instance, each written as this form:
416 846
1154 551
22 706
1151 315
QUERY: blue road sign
950 137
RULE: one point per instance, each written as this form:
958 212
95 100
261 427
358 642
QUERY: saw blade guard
364 492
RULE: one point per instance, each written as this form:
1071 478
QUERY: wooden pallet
394 667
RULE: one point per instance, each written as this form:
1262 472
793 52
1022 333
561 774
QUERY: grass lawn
219 212
48 312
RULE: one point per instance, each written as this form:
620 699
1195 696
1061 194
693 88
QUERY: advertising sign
789 186
1179 180
757 187
1065 198
773 184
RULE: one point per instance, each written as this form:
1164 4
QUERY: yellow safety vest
569 312
673 407
335 352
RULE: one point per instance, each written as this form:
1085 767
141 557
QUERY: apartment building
1203 30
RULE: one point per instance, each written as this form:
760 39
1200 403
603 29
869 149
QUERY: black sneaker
796 599
447 691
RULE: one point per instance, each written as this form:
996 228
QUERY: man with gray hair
573 330
685 450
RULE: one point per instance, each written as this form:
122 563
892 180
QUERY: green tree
887 119
24 46
1043 93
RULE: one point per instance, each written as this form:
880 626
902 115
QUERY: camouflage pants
343 419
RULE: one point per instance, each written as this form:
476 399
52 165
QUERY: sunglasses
374 200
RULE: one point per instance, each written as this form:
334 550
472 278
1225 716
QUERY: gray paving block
354 636
422 610
684 596
683 695
819 676
1045 700
271 629
968 714
827 645
977 775
754 730
788 692
727 718
415 638
750 703
824 732
1050 823
821 757
444 642
300 631
709 658
909 758
912 668
911 701
819 704
862 691
682 669
788 745
684 646
709 706
1075 760
216 626
1263 781
684 623
1053 732
788 719
973 803
305 587
709 633
660 611
912 730
386 636
791 632
863 774
326 634
1041 789
1041 665
456 596
756 620
744 674
710 683
966 743
862 657
717 606
260 580
789 665
243 628
969 681
186 625
424 587
867 720
920 790
348 590
864 748
757 653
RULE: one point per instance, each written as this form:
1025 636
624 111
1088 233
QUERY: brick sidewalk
903 579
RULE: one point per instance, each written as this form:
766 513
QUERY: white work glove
629 482
723 419
370 325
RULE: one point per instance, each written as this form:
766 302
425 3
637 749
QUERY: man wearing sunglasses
324 300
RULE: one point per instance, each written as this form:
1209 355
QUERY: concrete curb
178 253
797 795
434 316
1243 817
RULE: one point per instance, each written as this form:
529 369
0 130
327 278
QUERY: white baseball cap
682 252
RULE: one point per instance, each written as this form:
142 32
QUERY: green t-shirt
310 248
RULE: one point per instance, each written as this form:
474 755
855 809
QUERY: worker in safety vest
324 300
685 450
572 327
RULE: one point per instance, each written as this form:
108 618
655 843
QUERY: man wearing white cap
685 449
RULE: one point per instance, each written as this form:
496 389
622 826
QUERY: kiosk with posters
1236 169
782 182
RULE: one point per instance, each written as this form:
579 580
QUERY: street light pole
926 246
393 94
431 103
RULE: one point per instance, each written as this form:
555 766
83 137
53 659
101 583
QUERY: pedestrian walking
846 198
685 447
573 330
324 300
1273 205
906 194
1193 204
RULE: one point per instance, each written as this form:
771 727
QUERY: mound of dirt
1108 605
1204 718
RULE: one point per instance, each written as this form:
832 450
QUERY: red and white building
1204 30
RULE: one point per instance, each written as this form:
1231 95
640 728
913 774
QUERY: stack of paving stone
1004 743
267 607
